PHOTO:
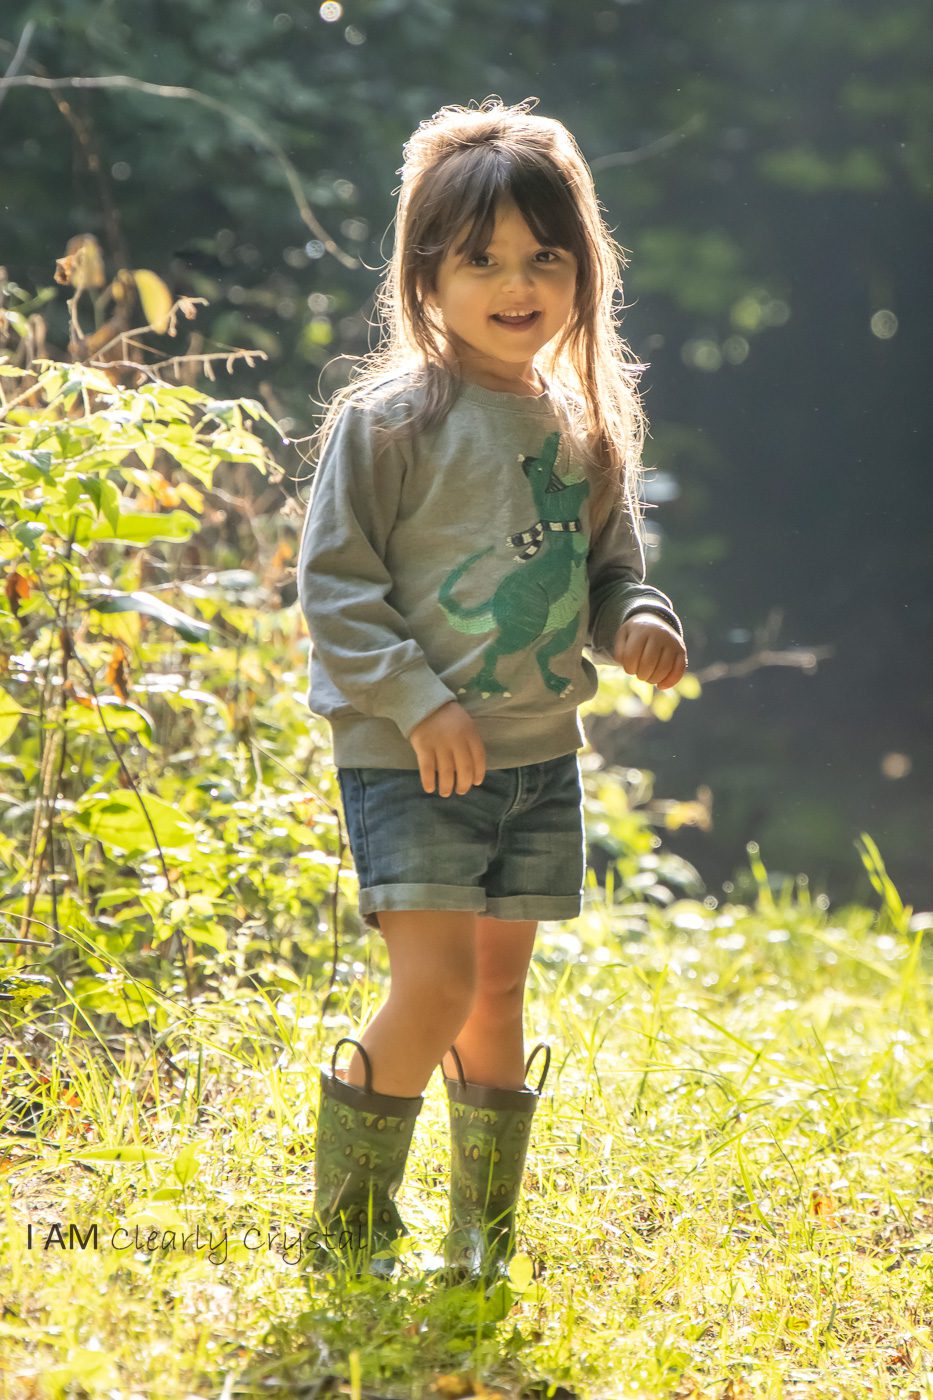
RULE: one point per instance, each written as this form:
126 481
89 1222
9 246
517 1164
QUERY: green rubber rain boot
489 1133
362 1146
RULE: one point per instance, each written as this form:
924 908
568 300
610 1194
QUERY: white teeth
515 315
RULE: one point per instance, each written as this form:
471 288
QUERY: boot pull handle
528 1064
459 1063
367 1067
547 1063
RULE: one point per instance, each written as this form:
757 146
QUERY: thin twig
174 362
123 80
25 39
651 148
803 658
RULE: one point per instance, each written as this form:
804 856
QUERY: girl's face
515 273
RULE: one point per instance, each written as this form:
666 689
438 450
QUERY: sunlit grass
729 1188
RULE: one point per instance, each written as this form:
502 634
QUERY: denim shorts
511 847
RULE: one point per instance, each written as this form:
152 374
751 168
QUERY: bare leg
490 1042
432 965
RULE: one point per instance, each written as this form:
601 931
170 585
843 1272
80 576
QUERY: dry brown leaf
737 1388
82 266
117 674
17 586
689 1388
453 1387
823 1205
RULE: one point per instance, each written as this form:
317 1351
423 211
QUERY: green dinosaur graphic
541 600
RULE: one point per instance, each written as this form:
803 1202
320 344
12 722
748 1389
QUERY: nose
519 278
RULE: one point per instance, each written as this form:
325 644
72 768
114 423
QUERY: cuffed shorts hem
466 898
534 906
452 897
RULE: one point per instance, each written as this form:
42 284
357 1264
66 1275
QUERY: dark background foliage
768 167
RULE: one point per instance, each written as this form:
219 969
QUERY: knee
440 996
499 998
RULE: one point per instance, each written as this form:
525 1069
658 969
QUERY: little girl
474 524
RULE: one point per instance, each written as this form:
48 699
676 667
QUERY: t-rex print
541 600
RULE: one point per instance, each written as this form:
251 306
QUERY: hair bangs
502 176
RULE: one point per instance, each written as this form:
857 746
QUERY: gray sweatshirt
461 567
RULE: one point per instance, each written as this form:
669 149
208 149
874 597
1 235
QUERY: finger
665 656
673 675
680 666
466 767
658 659
445 772
479 759
650 660
633 653
678 663
426 767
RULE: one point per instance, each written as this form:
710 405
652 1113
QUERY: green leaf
192 629
186 1164
155 297
109 898
74 489
141 527
116 820
117 1154
213 934
10 712
42 461
25 986
105 496
118 714
254 409
521 1272
27 532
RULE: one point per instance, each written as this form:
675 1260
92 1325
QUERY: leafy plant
132 697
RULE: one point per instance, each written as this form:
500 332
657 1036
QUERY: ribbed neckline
540 405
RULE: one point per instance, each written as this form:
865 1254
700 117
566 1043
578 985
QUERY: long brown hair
458 167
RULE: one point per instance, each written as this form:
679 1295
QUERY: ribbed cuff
619 608
667 613
411 696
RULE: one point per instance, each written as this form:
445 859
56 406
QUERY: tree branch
651 148
122 80
25 39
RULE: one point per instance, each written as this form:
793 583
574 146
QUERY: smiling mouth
517 322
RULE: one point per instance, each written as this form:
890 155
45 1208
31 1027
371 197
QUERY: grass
729 1184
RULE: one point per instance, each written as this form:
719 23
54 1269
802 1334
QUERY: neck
527 380
532 386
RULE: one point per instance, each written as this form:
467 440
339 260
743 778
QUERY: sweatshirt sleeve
363 643
616 570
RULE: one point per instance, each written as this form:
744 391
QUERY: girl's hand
449 746
648 647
